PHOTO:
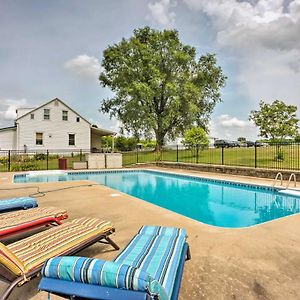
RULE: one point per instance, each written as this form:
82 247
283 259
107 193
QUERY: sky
53 48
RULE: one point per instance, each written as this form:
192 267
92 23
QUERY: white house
53 126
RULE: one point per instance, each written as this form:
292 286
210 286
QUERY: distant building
211 141
54 126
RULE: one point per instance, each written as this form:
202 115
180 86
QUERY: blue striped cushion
105 273
17 203
161 230
158 255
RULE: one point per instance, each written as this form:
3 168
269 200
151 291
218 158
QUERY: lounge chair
22 260
23 220
150 267
17 203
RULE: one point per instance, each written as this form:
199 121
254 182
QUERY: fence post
47 159
222 154
80 154
255 155
197 154
137 155
177 153
8 160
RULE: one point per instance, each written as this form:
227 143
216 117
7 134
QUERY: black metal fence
270 156
15 160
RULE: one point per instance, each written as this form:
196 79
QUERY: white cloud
84 65
270 75
233 122
161 12
263 38
8 108
266 23
229 127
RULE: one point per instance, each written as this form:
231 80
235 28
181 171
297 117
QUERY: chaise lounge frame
13 280
46 221
80 290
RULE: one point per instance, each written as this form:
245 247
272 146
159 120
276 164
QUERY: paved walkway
260 262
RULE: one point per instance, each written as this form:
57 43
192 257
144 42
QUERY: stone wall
244 171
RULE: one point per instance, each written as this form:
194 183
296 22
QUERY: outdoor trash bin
62 163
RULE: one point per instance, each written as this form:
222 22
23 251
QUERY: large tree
159 86
276 121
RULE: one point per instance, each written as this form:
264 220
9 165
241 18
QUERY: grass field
266 157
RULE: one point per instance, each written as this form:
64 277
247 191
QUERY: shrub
24 167
279 155
195 136
3 160
40 156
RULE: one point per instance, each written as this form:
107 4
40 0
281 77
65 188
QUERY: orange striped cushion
20 217
34 250
11 261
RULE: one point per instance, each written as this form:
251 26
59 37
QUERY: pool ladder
279 176
293 175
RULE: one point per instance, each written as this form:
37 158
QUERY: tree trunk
159 141
159 135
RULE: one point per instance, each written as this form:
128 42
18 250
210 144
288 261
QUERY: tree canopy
241 139
276 120
195 136
159 86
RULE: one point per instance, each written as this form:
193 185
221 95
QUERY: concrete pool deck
260 262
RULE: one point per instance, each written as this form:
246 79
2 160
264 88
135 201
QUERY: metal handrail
293 175
279 174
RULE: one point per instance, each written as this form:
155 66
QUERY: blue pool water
213 202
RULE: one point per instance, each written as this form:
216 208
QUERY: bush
148 144
123 143
24 167
279 155
40 156
3 160
195 136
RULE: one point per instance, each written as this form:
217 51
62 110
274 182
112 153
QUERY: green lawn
265 157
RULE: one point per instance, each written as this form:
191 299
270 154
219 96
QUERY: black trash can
62 163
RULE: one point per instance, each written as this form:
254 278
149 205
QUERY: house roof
8 128
57 99
45 104
101 131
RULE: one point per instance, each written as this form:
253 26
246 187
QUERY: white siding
22 111
55 131
8 139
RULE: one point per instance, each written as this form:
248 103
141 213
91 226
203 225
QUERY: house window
78 119
31 116
71 139
46 114
39 138
65 115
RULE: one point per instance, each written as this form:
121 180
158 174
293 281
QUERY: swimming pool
214 202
